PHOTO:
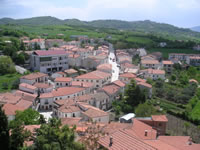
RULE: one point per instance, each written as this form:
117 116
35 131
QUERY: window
66 84
160 124
66 115
74 115
57 83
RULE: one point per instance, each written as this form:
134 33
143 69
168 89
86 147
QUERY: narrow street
112 61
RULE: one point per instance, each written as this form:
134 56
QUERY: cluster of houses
78 96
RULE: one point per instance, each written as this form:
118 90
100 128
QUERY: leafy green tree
5 85
4 130
6 65
22 46
42 119
15 84
52 136
133 97
145 110
28 117
18 136
19 59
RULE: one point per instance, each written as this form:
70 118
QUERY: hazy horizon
181 13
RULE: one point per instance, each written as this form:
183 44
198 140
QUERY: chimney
111 141
145 133
190 141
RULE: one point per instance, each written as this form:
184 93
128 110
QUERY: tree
28 117
91 138
6 65
52 136
145 110
133 96
18 136
4 130
15 84
42 119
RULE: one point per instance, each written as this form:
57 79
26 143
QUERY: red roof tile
49 52
149 61
63 79
111 89
67 91
119 83
162 118
11 109
128 75
144 84
27 86
167 62
34 76
94 75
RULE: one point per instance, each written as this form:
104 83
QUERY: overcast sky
182 13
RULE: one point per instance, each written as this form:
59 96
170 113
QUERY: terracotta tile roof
70 71
115 126
149 62
155 71
67 91
179 142
159 145
124 141
9 98
139 128
69 109
94 75
111 89
74 56
26 96
162 118
24 104
140 80
11 109
167 62
95 112
82 84
71 121
144 84
63 79
119 83
43 85
46 95
61 73
50 52
128 75
27 86
34 76
127 65
37 40
104 67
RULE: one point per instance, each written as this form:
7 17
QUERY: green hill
197 29
147 27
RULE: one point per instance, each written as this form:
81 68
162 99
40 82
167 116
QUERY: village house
49 61
93 61
74 60
167 66
193 60
71 72
143 134
98 78
44 87
47 99
147 87
153 74
39 42
63 82
105 68
154 64
89 87
58 74
28 88
126 77
34 78
94 114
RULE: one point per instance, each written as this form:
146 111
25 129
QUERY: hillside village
78 82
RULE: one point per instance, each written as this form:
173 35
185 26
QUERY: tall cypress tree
4 130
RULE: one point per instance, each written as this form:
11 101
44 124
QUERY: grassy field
8 79
165 51
195 113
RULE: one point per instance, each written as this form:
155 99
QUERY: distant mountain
144 26
197 29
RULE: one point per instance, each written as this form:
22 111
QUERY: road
115 69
